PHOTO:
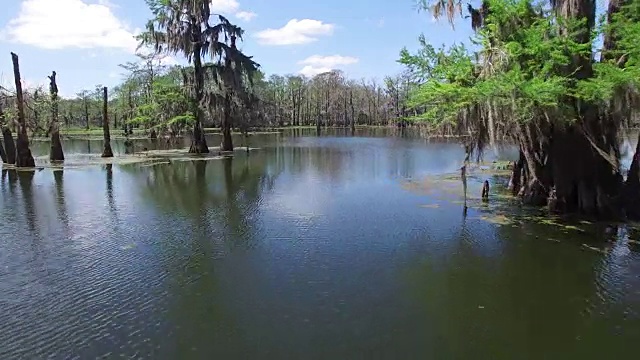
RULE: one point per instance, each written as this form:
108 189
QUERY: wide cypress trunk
107 151
573 166
198 142
55 153
23 153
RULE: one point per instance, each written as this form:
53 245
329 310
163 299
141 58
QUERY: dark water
308 248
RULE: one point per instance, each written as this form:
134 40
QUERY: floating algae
498 219
144 158
604 251
430 206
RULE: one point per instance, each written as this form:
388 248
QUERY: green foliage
523 65
620 68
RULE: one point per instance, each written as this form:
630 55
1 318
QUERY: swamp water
309 247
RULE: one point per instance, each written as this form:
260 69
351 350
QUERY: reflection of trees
498 297
110 200
58 177
9 177
25 179
219 200
225 191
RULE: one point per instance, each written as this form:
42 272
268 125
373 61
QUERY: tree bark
55 153
9 144
107 152
199 142
227 142
23 153
573 167
353 114
86 111
3 153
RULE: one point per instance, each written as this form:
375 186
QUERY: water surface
311 247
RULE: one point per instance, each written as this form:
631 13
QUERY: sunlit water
307 248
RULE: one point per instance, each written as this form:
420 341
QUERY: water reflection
306 248
110 200
25 181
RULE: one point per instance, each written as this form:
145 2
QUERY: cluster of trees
152 97
541 79
221 87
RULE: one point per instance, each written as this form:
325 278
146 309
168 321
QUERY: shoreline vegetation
535 80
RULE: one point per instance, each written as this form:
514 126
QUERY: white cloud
311 71
246 15
168 61
381 22
224 6
295 32
69 23
328 61
317 64
231 7
160 59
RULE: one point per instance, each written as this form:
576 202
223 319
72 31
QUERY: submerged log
107 152
55 153
23 153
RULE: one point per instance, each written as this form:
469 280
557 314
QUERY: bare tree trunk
24 157
353 114
86 111
107 152
10 145
55 153
227 141
3 154
318 115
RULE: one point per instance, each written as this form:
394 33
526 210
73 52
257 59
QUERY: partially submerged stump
10 146
3 154
23 153
55 153
107 152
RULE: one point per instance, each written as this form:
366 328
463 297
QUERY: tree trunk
199 142
632 186
318 115
9 144
227 142
23 153
3 154
107 152
353 114
55 153
573 167
86 111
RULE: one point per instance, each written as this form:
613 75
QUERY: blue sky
85 40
